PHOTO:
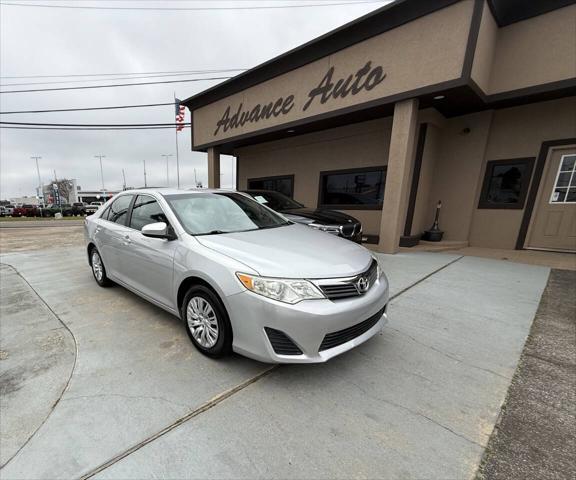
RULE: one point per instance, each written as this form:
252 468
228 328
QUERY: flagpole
177 158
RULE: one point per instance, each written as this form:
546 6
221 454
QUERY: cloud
53 41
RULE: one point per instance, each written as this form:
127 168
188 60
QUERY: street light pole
40 192
167 156
100 157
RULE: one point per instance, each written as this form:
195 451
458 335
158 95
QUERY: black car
329 221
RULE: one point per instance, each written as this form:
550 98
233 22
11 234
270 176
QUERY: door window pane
353 188
119 209
566 177
506 183
284 184
145 211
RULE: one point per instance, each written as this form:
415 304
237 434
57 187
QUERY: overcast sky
51 41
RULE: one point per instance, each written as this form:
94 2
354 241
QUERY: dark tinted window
506 183
284 185
276 201
119 209
363 188
146 210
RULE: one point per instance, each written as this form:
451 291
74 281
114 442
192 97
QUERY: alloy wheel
97 267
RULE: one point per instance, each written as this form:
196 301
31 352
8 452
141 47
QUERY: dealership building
467 102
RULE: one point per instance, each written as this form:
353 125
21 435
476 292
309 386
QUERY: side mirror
155 230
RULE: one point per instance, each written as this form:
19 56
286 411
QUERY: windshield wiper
215 232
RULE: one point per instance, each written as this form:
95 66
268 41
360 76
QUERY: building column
400 160
213 167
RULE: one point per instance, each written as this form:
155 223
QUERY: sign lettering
366 78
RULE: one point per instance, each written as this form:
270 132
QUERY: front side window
506 183
565 185
282 184
353 189
146 210
214 213
119 209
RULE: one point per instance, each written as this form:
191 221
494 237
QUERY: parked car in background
93 207
242 277
79 208
6 210
27 210
330 221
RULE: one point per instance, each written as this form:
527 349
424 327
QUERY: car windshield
275 200
214 213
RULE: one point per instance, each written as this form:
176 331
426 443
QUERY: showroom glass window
145 211
283 184
361 189
119 209
506 183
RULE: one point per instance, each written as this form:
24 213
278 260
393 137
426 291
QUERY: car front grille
349 287
281 343
340 337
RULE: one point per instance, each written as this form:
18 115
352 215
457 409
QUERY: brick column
400 160
213 167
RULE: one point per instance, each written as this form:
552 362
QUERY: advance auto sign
366 78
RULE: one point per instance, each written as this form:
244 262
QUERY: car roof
174 191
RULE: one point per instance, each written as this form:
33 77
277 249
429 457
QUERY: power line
66 75
114 85
197 9
90 108
117 78
84 129
37 124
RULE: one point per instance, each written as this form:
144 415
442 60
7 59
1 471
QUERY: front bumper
305 323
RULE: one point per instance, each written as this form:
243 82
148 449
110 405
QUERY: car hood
323 217
293 251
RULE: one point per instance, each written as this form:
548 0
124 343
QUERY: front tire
98 269
207 322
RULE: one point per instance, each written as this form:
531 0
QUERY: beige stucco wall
484 53
457 168
535 51
359 145
517 133
424 52
425 205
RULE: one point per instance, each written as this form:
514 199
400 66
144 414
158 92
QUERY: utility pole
100 157
145 184
40 192
166 157
124 178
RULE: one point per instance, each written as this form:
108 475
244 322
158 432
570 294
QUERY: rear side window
145 211
119 209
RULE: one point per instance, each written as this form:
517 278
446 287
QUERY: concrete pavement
420 400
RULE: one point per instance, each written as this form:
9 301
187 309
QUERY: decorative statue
434 234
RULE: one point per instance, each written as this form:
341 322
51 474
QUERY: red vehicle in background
27 211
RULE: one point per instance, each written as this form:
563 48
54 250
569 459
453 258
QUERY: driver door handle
127 240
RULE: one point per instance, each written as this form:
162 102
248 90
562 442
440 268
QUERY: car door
149 262
110 235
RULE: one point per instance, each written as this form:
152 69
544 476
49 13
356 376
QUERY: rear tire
207 322
98 269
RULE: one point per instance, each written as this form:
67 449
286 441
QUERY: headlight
335 229
281 289
379 263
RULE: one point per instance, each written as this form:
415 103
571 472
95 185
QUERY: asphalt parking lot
99 383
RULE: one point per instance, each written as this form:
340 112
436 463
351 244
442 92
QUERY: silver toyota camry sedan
241 276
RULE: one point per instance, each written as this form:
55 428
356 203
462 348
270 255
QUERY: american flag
180 113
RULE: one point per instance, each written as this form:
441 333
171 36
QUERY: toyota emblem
362 284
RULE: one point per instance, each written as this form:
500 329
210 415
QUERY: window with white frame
565 185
